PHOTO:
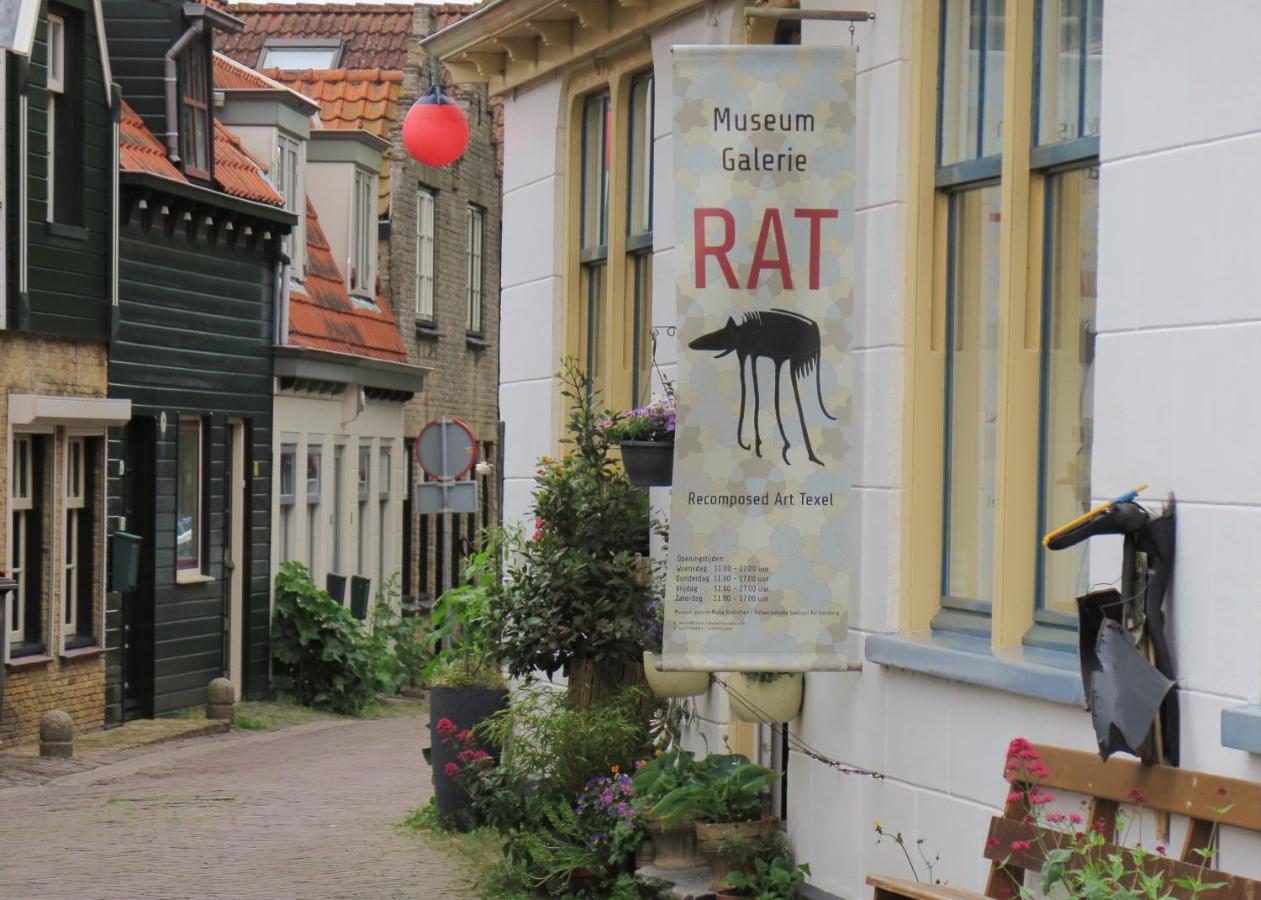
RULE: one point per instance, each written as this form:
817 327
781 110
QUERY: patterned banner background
764 534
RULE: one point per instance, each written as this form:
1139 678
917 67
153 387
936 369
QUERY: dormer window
281 53
363 223
287 179
195 124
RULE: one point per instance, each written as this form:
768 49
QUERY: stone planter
710 837
768 701
466 707
648 463
674 847
673 684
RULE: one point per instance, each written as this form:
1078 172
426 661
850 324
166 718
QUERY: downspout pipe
171 79
283 267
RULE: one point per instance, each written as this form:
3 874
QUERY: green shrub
577 589
408 640
465 619
322 651
561 748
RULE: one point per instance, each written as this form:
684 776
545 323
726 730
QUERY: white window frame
196 570
425 203
476 230
314 500
56 88
363 221
21 505
364 490
287 500
287 178
383 478
74 502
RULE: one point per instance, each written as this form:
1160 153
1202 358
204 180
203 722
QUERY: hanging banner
764 532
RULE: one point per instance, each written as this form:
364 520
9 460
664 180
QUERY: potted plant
773 879
646 437
667 685
674 843
724 797
467 686
574 596
765 696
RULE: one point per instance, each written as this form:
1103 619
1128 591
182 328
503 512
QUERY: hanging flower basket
649 463
759 700
665 685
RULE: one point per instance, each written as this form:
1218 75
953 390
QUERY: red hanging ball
435 130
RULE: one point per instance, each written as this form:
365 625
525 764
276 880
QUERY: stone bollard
221 700
56 734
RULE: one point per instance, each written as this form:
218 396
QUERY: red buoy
435 131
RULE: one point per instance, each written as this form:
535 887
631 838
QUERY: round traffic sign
446 449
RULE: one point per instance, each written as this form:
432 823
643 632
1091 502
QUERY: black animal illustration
782 337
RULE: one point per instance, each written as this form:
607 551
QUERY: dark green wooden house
200 265
58 273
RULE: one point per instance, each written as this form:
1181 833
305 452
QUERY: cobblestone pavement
308 812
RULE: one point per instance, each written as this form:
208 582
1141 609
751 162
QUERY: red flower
1040 797
1075 818
468 756
993 843
451 770
1137 796
446 727
1021 845
464 736
1160 848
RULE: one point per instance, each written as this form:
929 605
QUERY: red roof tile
375 34
236 171
140 151
322 315
366 99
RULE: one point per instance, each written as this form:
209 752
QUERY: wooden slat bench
1206 801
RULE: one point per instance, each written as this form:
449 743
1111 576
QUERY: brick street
304 812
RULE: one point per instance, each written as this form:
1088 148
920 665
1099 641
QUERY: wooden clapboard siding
139 34
193 338
68 287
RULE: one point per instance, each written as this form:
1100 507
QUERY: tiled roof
350 98
236 171
366 99
140 151
322 315
375 34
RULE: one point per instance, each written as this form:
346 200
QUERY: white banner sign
763 528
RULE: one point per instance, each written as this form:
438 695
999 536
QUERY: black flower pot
466 708
649 463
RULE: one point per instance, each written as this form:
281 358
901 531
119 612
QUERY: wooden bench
1206 801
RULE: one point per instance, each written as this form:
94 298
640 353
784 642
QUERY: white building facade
1055 236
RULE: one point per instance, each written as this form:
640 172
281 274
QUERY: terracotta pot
768 701
674 847
648 463
710 837
673 684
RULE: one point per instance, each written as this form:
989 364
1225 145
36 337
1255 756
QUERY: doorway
138 605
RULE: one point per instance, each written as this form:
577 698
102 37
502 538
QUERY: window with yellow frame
1016 179
614 225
